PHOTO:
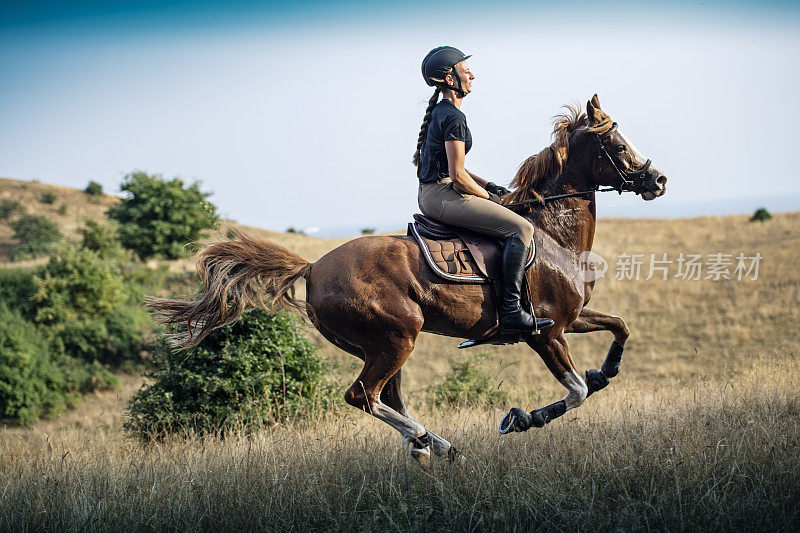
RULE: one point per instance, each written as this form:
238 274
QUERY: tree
761 215
160 217
93 189
259 370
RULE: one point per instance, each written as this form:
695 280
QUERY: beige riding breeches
442 201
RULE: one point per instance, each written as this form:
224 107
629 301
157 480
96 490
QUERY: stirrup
497 339
521 316
539 325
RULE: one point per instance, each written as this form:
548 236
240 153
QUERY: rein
625 178
545 199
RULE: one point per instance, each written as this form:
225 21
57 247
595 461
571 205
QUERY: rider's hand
499 190
495 198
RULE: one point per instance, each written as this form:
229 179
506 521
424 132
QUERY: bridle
625 178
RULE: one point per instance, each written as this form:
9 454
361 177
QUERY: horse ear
593 111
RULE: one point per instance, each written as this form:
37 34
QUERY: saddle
458 254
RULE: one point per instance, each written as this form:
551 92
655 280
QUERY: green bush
470 382
30 383
58 326
256 371
17 290
62 209
49 197
93 189
36 382
160 217
761 215
84 305
36 235
101 239
9 208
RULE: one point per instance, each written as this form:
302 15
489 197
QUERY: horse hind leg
365 394
392 397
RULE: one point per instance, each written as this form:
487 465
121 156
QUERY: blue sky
307 115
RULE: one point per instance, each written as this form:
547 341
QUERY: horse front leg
589 321
554 351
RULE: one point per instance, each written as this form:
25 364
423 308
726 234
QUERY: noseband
625 178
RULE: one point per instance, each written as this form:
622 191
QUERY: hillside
680 327
69 210
699 431
73 206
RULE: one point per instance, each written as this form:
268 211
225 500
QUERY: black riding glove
499 190
494 198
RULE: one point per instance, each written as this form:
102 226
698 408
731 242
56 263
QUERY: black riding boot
512 316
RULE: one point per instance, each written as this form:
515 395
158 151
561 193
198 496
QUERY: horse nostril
661 180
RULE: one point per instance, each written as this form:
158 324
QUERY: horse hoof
423 457
516 420
455 457
595 381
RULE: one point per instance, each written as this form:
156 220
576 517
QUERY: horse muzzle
654 185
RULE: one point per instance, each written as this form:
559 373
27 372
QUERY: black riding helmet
438 62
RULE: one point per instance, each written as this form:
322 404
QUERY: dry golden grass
719 454
699 431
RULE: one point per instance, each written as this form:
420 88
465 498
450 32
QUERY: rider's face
464 74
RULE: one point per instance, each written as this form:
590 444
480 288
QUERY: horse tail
236 275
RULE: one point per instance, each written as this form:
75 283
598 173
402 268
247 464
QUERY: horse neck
570 221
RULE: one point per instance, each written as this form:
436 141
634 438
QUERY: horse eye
622 148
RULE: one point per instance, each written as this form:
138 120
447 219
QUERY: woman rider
451 193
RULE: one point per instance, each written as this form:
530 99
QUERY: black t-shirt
447 123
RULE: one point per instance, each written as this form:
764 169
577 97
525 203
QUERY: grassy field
699 431
714 454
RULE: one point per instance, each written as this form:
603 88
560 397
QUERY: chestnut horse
372 296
